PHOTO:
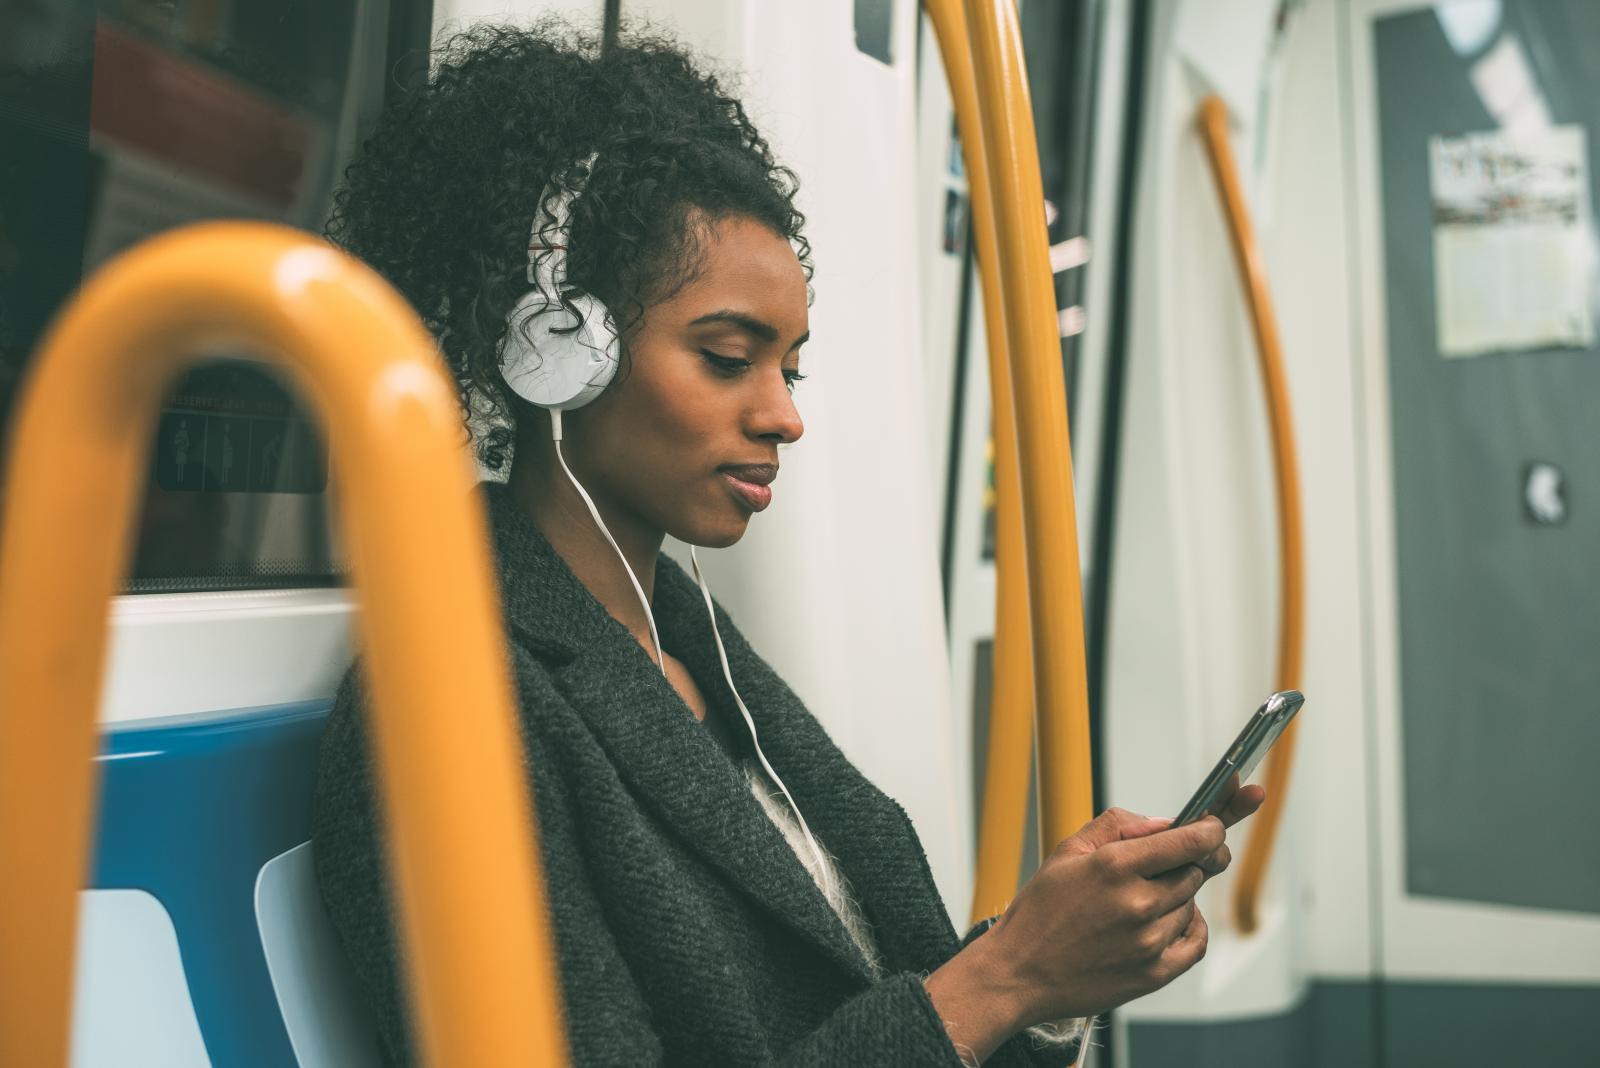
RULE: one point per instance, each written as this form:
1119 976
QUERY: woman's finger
1145 825
1186 951
1244 801
1159 936
1176 887
1163 851
1217 862
1112 825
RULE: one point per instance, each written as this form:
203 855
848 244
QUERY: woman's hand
1110 916
1114 909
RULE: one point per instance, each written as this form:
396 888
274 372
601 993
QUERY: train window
124 118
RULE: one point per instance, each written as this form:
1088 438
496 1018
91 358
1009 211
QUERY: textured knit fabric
835 887
687 931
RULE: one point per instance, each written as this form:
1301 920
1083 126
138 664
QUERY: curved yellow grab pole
1004 811
1061 703
472 911
1213 121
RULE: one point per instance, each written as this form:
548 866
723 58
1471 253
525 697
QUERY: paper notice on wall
1513 242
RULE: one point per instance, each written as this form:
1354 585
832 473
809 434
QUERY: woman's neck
541 489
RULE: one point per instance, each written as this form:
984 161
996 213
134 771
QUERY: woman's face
686 440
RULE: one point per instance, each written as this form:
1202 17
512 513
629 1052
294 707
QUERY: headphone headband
552 222
561 346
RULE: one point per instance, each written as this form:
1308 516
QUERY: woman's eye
728 365
737 365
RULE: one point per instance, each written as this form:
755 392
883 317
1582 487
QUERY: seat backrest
207 818
328 1022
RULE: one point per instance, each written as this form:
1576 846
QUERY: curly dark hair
440 198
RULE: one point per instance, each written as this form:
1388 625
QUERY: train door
1474 164
122 120
1191 596
1421 181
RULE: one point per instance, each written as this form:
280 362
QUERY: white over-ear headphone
561 346
561 350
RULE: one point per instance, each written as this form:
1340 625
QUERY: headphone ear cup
554 358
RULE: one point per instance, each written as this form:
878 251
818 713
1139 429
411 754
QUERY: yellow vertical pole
1004 808
455 794
1061 704
1213 123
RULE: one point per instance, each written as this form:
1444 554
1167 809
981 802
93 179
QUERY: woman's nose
775 417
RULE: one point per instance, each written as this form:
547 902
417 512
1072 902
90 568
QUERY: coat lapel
669 759
867 832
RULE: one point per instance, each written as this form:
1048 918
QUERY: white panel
1194 610
130 1002
323 1010
452 15
1329 836
716 29
182 653
1227 51
1422 938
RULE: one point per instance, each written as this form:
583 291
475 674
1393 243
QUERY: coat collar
680 772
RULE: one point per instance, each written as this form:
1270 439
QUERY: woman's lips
751 484
755 496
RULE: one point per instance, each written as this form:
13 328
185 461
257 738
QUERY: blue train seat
203 940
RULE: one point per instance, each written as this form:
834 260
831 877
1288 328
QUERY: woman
725 887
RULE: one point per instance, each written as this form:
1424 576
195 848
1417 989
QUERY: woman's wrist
978 998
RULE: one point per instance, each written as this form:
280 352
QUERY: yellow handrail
1038 389
455 795
1213 121
1004 809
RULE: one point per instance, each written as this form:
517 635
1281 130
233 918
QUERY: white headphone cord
644 602
824 868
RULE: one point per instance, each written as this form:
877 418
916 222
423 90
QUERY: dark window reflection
127 117
237 489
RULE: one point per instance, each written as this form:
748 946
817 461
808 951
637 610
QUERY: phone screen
1242 756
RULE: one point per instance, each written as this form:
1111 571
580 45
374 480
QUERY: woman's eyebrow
750 325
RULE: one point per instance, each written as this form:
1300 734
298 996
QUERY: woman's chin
718 533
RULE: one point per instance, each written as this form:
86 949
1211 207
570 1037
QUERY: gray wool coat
688 933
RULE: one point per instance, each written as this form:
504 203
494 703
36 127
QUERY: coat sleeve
1049 1045
346 836
607 1020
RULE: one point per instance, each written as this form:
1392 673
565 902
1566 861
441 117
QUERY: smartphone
1242 756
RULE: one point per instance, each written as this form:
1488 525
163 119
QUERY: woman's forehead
748 270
